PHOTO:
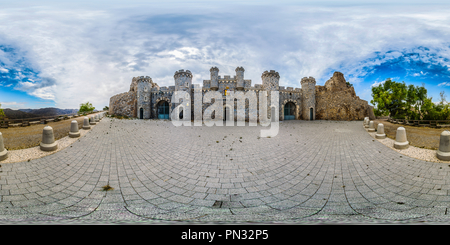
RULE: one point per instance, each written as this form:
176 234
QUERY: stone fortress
336 100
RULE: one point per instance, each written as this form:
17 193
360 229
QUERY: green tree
443 96
2 113
106 108
390 98
401 101
86 107
435 111
415 98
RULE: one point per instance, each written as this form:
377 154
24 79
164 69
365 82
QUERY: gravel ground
423 141
422 137
36 152
15 138
23 143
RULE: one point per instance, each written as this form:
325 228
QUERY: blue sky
64 53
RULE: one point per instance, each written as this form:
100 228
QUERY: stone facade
334 101
338 101
123 104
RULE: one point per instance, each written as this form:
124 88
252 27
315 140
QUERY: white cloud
375 84
12 105
445 84
92 53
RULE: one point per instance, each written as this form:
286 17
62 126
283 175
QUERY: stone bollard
48 140
74 132
444 146
366 124
400 139
3 151
380 132
86 123
371 127
92 122
96 118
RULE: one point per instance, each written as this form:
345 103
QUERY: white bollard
92 122
48 140
86 124
74 132
380 132
444 146
3 151
371 127
400 139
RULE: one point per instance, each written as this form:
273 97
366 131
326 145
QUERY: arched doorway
163 110
289 111
311 114
141 113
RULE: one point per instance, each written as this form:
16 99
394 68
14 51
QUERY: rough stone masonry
336 100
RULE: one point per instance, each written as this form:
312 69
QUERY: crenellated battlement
182 73
240 69
270 73
146 79
309 80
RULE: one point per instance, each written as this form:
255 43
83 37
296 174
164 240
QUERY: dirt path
15 138
423 137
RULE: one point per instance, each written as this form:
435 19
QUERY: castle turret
240 78
183 80
308 98
270 80
143 86
214 78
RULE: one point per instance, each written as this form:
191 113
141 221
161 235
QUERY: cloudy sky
64 53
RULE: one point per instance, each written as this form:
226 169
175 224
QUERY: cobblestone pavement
311 172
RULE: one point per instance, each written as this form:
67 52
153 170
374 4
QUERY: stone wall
338 101
123 104
308 98
334 101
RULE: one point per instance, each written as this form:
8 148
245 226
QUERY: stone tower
270 82
308 98
183 80
144 86
214 78
240 78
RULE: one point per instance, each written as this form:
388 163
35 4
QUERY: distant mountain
33 113
49 111
16 114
